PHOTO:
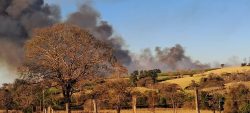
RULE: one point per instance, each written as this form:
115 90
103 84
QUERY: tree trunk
134 103
67 106
176 107
40 106
67 93
118 109
95 106
197 100
219 105
153 107
49 110
173 106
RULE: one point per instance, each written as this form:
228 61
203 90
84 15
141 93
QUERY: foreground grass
158 110
145 110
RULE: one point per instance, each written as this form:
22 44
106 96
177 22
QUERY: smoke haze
88 17
167 59
18 18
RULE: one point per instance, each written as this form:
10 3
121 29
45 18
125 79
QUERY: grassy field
232 84
142 89
184 82
165 111
229 70
130 111
145 111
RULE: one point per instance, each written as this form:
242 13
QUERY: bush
162 102
28 110
142 102
236 97
245 108
212 81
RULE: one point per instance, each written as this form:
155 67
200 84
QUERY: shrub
245 108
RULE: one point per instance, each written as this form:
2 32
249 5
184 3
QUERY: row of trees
232 98
118 94
144 77
108 94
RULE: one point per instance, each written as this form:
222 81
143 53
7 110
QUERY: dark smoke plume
170 56
88 17
17 20
19 17
167 59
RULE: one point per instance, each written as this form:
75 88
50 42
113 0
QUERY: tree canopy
65 55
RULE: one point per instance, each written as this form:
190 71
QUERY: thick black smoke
19 17
167 59
88 17
17 20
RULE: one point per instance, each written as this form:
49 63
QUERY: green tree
134 78
236 97
173 93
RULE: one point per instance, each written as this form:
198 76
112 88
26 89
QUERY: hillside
184 82
229 70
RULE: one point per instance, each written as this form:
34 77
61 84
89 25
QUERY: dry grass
10 111
229 70
232 84
184 82
142 89
158 111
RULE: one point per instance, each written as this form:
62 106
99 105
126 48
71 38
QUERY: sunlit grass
184 82
157 111
229 70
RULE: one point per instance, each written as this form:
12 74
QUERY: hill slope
184 82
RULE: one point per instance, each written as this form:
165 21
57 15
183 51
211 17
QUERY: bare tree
117 92
66 55
152 97
173 93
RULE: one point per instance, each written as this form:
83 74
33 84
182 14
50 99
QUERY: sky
209 30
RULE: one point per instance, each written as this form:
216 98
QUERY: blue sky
210 30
